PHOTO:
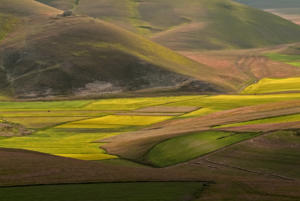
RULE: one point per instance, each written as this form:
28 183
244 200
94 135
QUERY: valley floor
233 147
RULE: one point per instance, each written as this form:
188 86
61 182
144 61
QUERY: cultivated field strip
136 128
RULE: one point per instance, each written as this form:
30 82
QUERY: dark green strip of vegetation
140 191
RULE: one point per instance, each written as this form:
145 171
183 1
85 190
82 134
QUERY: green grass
268 85
74 136
226 102
280 119
62 143
56 113
198 113
49 105
293 60
187 147
134 103
76 139
41 122
111 121
140 191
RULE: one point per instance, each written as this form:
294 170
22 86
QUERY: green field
190 146
139 191
74 144
134 103
116 121
77 139
75 128
212 104
46 105
293 60
268 85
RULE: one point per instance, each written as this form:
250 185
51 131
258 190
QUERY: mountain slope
53 55
288 9
191 24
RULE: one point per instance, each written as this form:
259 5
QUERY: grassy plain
76 128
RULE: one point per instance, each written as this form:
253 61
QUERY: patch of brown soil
243 67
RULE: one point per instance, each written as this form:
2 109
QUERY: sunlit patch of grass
68 144
134 103
268 85
112 121
198 113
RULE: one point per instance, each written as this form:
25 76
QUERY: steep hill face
45 54
192 24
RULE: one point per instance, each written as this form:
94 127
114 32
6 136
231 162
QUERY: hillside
289 9
48 55
271 3
192 25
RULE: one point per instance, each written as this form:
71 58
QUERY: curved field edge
190 146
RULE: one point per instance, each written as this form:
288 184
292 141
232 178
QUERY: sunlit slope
268 85
53 55
193 25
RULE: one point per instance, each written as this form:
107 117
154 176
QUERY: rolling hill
46 54
289 9
190 24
